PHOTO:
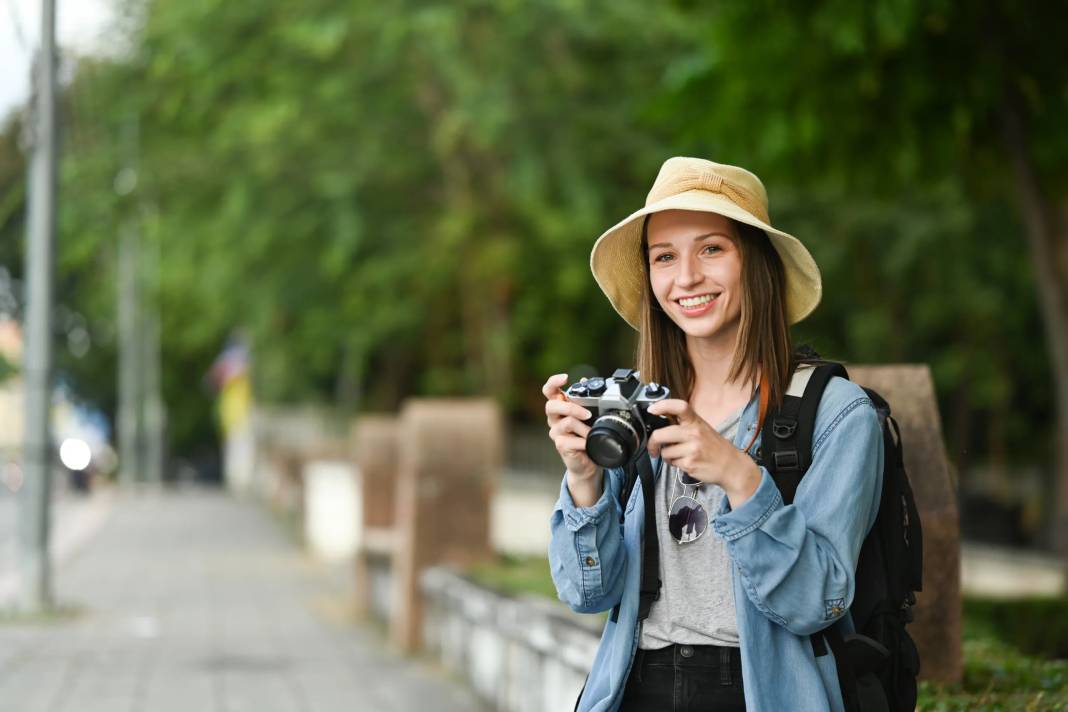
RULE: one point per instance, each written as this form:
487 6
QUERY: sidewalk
195 601
75 519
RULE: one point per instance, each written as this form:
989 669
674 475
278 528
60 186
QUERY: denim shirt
792 565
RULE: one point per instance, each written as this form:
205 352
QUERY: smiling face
695 270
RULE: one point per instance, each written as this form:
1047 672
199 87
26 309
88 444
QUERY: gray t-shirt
696 604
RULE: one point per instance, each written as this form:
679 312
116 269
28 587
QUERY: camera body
620 424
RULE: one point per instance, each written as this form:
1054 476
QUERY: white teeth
689 302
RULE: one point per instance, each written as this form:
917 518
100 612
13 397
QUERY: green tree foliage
403 201
922 145
396 199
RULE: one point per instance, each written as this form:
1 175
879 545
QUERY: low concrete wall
518 654
520 511
999 572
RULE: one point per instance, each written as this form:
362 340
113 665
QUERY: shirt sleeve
797 561
586 554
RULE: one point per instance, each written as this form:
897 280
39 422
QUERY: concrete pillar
332 509
909 390
450 459
374 445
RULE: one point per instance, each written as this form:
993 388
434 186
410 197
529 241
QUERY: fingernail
587 415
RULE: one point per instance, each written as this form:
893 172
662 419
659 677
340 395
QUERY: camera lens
613 440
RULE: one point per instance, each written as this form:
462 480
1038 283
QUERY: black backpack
877 666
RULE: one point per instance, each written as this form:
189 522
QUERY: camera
620 422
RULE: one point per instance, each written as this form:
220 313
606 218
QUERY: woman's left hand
696 448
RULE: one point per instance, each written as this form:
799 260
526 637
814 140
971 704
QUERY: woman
712 289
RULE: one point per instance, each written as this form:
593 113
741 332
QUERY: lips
697 300
698 304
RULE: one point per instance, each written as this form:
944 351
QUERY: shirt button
686 651
590 561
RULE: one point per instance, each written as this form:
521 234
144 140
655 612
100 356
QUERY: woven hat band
713 183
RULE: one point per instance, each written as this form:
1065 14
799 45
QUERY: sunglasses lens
687 519
687 480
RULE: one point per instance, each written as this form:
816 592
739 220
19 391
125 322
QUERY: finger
569 425
565 408
677 454
570 444
666 436
552 387
674 407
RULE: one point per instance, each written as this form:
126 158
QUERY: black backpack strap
786 446
786 452
642 470
847 681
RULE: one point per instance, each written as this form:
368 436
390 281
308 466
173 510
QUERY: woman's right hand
567 430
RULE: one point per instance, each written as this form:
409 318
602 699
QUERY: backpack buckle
783 427
787 460
906 612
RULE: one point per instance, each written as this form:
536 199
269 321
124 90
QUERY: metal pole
35 495
129 356
155 412
131 415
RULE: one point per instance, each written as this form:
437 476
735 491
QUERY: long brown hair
764 342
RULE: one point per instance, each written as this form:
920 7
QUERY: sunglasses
687 518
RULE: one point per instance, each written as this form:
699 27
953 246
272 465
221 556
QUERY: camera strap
642 469
650 588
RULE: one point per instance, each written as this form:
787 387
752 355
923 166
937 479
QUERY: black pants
681 678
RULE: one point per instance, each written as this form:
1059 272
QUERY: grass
1012 661
1015 651
54 615
515 575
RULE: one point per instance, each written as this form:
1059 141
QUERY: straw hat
697 184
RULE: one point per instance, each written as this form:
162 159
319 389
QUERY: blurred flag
230 376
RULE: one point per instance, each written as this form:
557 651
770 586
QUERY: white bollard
332 509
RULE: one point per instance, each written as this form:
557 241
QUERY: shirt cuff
733 523
577 517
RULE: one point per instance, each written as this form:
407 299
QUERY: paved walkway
195 601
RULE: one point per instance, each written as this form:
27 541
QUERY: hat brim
616 256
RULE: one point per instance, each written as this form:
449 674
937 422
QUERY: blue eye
661 256
712 247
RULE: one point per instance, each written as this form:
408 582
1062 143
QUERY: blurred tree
12 198
398 199
388 199
910 98
403 176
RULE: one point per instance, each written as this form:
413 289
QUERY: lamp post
37 456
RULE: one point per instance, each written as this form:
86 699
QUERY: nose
689 273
